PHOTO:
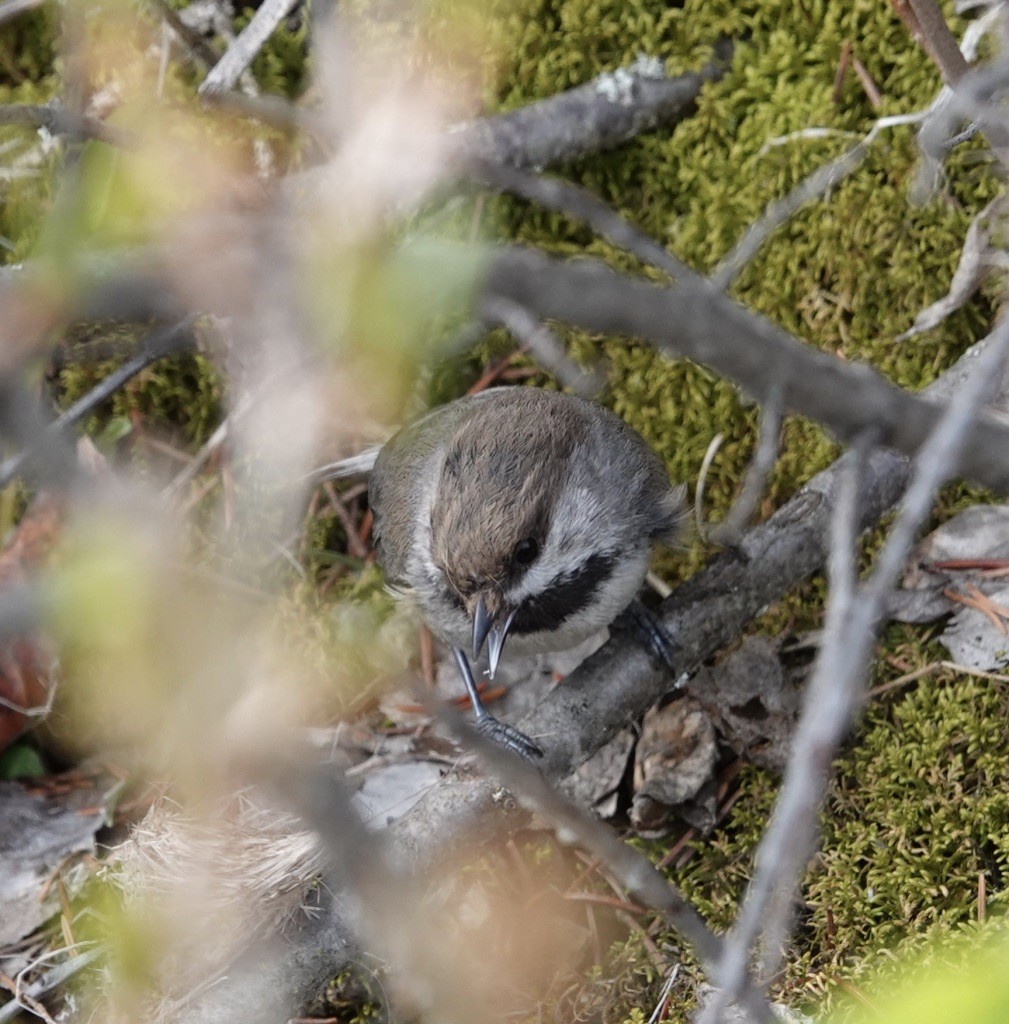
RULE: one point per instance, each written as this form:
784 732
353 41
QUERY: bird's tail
354 465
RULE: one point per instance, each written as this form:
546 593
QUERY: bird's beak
490 627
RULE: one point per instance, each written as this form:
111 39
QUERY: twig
197 46
11 9
966 92
50 980
575 201
606 112
545 346
667 990
354 543
702 478
870 88
837 684
934 35
728 531
847 398
842 68
927 670
212 445
224 75
158 346
23 422
781 210
58 121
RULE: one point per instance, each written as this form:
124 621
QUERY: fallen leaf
675 758
752 702
37 834
26 663
973 639
596 782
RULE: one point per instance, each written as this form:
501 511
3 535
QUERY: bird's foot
508 736
649 631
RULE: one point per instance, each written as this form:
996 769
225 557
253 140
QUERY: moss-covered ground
919 810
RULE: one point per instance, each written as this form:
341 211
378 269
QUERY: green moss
179 397
26 192
918 811
281 66
27 50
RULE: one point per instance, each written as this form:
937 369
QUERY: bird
524 515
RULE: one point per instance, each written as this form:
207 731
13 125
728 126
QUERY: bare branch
696 322
574 201
225 73
601 114
58 121
834 691
728 531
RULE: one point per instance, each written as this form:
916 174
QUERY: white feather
354 465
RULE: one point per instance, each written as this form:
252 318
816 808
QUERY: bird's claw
508 736
637 619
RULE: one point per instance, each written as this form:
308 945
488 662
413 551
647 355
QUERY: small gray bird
518 514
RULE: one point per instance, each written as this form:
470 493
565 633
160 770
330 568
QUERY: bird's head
521 543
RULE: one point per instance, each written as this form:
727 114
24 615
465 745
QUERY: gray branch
835 689
602 114
696 322
58 121
240 54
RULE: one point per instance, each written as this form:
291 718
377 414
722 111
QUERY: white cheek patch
573 536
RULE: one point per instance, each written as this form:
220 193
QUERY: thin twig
730 529
58 121
874 96
545 346
836 688
574 201
355 545
781 210
197 46
927 670
224 75
50 980
158 346
213 444
842 68
702 478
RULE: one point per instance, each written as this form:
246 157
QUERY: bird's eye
526 551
